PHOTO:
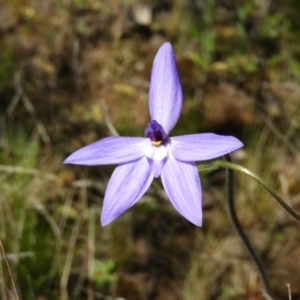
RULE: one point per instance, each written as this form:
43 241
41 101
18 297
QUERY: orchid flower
140 159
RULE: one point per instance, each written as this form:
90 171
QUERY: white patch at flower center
157 157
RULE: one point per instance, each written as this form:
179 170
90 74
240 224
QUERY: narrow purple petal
110 150
205 146
126 186
182 184
165 93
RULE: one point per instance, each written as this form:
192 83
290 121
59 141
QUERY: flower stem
238 227
230 165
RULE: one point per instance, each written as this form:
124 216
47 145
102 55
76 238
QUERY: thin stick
68 260
289 291
266 296
239 229
20 94
91 253
26 171
107 119
2 281
9 271
15 100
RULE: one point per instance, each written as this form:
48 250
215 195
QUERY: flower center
155 132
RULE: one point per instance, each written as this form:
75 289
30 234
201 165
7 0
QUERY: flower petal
165 93
157 157
110 150
205 146
126 186
182 184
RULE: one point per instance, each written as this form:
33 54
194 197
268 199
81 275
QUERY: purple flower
140 159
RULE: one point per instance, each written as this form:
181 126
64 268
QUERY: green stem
230 165
239 229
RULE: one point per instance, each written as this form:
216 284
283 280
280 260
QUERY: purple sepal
203 146
165 93
126 186
110 150
182 184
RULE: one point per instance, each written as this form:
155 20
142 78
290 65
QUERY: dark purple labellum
155 132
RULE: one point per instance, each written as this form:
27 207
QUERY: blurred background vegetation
66 66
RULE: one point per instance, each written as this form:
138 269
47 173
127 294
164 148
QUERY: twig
75 63
69 259
85 183
82 217
266 295
27 171
20 94
239 229
9 270
43 211
65 210
40 127
289 291
14 102
75 60
91 254
2 283
282 137
16 256
3 135
107 119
